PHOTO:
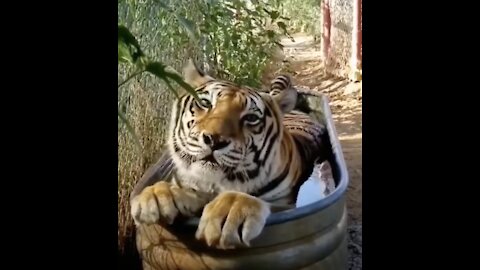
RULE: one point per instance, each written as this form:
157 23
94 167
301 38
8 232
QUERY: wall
341 38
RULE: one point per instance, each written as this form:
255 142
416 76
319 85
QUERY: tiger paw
232 220
163 202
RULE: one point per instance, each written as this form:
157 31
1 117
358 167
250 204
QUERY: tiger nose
215 141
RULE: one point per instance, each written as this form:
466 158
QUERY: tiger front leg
232 219
163 202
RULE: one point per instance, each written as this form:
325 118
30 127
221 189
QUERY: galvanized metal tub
312 236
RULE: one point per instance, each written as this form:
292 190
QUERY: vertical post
356 57
326 23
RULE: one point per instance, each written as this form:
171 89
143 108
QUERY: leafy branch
130 52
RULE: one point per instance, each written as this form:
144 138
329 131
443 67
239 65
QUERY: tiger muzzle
215 141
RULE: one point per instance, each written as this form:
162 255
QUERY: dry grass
148 107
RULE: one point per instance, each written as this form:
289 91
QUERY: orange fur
224 119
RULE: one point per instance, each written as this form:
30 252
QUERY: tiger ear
283 93
286 100
193 75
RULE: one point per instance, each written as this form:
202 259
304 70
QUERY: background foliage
304 15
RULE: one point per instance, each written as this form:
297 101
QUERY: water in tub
318 186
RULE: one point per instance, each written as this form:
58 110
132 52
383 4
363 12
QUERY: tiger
237 155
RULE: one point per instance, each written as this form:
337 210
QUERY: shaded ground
301 60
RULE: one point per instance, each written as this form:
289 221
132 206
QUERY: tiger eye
251 118
206 103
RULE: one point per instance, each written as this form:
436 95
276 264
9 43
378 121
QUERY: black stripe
256 94
254 102
253 173
268 112
175 147
274 183
300 148
240 177
230 176
201 89
178 128
258 151
192 145
179 137
277 86
269 148
258 128
251 146
180 107
225 84
284 79
272 141
231 157
190 108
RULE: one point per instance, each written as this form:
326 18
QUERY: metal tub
312 236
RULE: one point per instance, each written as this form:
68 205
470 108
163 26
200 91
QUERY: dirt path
301 60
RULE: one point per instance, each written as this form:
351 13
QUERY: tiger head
230 135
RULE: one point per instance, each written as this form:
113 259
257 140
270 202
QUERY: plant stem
130 77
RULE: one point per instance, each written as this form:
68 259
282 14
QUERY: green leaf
131 76
282 26
274 15
130 130
178 79
157 69
270 34
160 70
279 45
124 53
128 47
125 36
171 88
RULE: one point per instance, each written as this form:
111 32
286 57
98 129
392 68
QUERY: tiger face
223 125
229 138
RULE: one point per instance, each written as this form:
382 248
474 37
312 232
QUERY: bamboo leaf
179 80
171 88
157 69
160 70
128 47
124 53
274 15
